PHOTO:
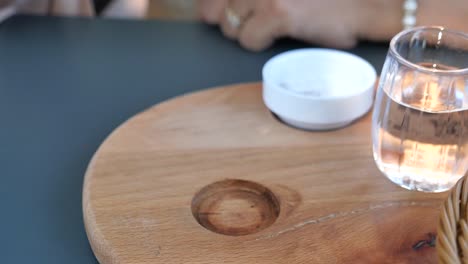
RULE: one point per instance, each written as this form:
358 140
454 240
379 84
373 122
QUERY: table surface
66 83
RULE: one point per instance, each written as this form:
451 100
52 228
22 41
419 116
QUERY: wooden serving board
214 177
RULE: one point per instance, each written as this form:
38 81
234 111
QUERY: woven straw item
452 239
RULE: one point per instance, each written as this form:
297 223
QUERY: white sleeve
52 7
127 9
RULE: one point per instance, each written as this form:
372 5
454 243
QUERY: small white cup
318 89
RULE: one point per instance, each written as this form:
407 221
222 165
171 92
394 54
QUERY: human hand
257 23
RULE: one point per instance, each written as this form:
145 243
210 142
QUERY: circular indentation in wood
235 207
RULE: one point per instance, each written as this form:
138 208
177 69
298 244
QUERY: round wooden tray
214 177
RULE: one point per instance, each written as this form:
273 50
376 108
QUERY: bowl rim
369 83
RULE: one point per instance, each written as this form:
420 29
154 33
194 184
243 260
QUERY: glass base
423 186
416 182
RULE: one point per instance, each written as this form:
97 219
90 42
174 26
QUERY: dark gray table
65 84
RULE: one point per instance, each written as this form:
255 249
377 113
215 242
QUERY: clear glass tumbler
420 118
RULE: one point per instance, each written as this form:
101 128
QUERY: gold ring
233 19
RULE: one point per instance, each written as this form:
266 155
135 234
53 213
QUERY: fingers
210 11
235 15
255 24
260 31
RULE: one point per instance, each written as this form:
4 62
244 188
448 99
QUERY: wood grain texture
334 206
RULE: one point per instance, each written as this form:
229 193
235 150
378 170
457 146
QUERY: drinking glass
420 117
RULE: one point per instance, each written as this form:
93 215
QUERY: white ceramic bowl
318 89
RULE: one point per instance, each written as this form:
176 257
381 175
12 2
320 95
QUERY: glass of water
420 118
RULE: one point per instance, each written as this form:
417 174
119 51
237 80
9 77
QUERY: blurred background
172 9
